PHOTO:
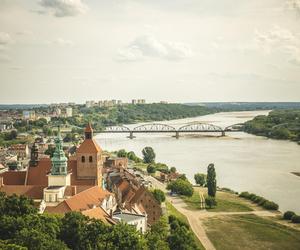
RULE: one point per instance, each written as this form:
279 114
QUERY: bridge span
194 127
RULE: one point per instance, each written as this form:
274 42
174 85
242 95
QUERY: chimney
74 190
1 181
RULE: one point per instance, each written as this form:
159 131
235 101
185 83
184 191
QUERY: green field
250 232
171 210
226 202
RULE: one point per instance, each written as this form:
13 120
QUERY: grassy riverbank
250 232
227 202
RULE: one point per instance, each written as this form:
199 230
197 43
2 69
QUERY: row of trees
22 227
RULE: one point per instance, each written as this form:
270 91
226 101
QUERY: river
243 162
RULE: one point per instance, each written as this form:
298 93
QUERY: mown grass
171 210
250 232
226 202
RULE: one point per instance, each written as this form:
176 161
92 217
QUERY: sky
172 50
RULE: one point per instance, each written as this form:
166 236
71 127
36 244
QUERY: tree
288 215
173 170
210 201
200 179
159 195
211 180
151 169
157 237
183 187
149 155
181 238
122 153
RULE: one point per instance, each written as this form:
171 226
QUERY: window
82 159
91 159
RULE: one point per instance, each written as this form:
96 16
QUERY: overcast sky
173 50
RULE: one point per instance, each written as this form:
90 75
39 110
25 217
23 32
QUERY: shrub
270 205
210 201
296 219
288 215
159 195
151 169
244 195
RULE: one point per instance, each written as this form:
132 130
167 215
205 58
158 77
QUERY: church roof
34 192
89 146
13 177
82 201
99 214
38 175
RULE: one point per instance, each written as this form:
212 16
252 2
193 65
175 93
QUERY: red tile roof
99 214
13 177
34 192
38 175
89 146
82 201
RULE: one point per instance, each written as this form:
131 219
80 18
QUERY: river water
243 162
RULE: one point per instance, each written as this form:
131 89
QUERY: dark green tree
122 153
159 195
151 169
211 180
183 187
148 155
210 201
173 170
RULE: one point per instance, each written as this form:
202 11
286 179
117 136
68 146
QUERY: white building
139 221
69 112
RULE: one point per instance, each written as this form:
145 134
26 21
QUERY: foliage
279 124
151 169
211 180
210 201
148 155
50 151
261 201
130 155
288 215
159 195
183 187
200 179
12 165
172 170
296 219
158 234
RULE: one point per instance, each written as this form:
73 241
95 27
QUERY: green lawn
171 210
226 202
250 232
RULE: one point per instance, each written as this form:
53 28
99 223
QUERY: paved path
195 216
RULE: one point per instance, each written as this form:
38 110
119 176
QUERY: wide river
243 162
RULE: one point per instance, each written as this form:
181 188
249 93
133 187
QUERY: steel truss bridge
195 127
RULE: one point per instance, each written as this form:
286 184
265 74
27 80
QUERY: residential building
29 115
69 112
21 150
139 221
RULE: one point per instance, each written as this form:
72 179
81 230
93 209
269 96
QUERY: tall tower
89 158
34 155
59 159
59 175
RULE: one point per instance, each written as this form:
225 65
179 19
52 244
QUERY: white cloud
63 42
63 8
5 38
280 40
149 46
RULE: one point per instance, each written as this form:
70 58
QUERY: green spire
59 160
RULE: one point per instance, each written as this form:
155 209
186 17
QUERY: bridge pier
131 135
177 135
223 133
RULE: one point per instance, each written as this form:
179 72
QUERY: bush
159 195
244 195
151 169
296 219
288 215
270 205
210 201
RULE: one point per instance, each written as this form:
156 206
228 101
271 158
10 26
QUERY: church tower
58 178
34 156
89 158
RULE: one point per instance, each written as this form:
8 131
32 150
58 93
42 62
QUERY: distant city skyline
175 51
